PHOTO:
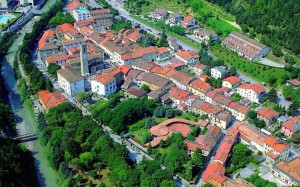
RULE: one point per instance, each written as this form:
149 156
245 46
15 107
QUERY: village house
219 72
148 54
275 150
49 100
71 81
74 4
173 43
204 35
180 79
177 95
239 111
176 18
66 44
253 92
104 84
57 59
288 172
81 13
214 174
47 45
162 94
294 82
291 126
267 114
67 31
231 82
159 14
154 81
199 88
135 92
200 69
118 72
244 46
143 65
187 57
188 21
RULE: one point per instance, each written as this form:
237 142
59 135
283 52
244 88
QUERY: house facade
291 126
253 92
219 72
104 84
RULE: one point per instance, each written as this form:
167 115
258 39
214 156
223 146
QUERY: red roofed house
177 95
214 174
119 73
46 46
159 14
291 126
239 111
253 92
288 172
199 87
74 4
135 37
104 84
199 69
267 114
49 100
294 82
231 82
188 21
57 59
187 56
275 150
68 31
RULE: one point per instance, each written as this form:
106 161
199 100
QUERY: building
291 126
176 17
239 111
199 87
204 35
188 21
47 45
71 81
49 100
135 92
7 5
67 31
81 13
288 172
200 69
57 59
231 82
267 114
253 92
159 14
187 57
294 82
219 72
154 81
239 182
275 150
104 84
244 46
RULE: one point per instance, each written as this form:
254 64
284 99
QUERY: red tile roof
100 11
232 80
51 99
272 142
292 124
291 168
178 93
104 78
188 18
294 82
74 4
187 55
268 113
201 66
67 27
214 171
121 69
225 149
257 88
200 85
47 34
55 58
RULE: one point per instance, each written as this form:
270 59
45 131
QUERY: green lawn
17 15
220 26
138 129
256 71
99 104
269 104
188 117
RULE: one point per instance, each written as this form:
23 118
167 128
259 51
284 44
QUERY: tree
83 96
272 80
52 69
170 113
207 185
292 110
240 156
146 137
232 70
277 51
159 112
289 59
148 42
271 96
150 122
295 137
145 88
162 42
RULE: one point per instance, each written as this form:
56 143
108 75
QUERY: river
25 121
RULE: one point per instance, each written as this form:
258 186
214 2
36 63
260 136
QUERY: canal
25 122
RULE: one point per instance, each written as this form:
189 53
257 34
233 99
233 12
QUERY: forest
277 20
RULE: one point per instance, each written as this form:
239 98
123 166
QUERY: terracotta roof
188 18
181 78
232 80
120 69
272 154
162 50
268 113
292 168
200 85
187 55
222 99
74 4
251 133
239 107
292 124
201 66
104 78
134 36
43 43
178 93
144 65
68 42
84 22
74 49
192 146
100 11
278 146
51 99
55 58
255 87
214 171
67 27
294 82
239 182
225 149
156 69
160 11
138 53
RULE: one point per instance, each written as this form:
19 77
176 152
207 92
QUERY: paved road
271 63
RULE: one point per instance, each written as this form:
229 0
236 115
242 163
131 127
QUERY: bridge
36 12
26 137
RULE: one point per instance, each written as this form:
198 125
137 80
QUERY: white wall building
81 13
104 84
254 92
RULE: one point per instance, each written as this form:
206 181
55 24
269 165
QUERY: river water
25 121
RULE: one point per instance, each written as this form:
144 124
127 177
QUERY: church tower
84 64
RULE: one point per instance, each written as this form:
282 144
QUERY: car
149 30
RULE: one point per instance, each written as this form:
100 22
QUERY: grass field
258 72
221 27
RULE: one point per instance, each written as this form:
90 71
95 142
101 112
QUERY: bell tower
84 64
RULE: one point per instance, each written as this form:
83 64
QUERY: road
271 63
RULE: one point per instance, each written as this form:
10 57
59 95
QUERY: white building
187 57
104 84
288 172
81 13
253 92
70 81
219 72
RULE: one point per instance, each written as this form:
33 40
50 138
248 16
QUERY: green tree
271 96
159 112
232 70
145 88
150 122
83 96
295 138
277 51
170 113
292 110
52 69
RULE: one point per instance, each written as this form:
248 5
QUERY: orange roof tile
232 80
188 18
272 142
55 58
51 99
292 124
74 4
178 93
104 78
187 55
47 34
268 113
100 11
255 87
200 85
291 168
213 169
